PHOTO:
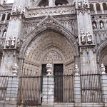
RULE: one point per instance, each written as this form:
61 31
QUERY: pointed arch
49 25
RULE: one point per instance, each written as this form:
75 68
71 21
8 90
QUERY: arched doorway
52 47
49 47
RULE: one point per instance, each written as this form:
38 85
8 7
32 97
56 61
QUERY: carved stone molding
38 12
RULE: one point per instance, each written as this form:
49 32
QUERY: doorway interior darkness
58 81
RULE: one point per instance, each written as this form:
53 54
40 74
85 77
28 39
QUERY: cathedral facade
53 53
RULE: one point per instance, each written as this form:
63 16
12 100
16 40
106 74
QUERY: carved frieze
38 12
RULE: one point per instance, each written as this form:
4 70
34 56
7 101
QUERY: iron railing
91 91
29 90
8 90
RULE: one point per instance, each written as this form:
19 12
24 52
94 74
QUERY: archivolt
56 28
100 52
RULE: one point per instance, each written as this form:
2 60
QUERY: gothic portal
53 53
49 47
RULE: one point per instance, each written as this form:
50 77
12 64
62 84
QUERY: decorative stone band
44 11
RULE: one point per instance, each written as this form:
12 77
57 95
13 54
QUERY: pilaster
102 8
13 41
95 8
86 37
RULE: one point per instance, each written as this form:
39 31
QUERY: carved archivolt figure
94 24
13 42
89 38
101 24
83 37
4 34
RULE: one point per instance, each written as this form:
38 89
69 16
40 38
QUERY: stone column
95 8
102 10
86 38
48 86
104 84
77 87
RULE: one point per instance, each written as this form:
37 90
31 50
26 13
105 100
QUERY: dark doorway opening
58 81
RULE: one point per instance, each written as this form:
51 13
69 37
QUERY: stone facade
68 32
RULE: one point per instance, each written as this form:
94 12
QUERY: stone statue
83 38
4 34
49 68
102 68
79 4
101 25
7 43
89 38
15 69
13 42
94 25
